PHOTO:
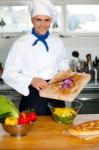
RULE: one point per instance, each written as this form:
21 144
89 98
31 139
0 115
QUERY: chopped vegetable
7 106
67 83
64 115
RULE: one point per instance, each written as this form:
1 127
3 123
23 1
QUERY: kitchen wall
82 44
5 45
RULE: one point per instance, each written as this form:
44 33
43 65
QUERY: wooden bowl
17 130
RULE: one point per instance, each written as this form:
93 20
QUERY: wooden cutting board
55 91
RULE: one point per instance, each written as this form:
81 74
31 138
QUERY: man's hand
39 83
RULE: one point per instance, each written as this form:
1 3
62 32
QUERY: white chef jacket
25 61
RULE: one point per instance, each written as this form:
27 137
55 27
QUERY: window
73 17
14 19
57 27
82 18
17 19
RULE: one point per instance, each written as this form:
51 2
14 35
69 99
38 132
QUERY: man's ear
32 20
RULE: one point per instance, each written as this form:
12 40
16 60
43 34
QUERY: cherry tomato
24 118
25 113
33 116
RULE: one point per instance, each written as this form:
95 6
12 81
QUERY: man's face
41 24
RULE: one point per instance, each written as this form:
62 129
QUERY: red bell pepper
27 117
24 118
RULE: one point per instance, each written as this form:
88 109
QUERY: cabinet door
12 95
89 107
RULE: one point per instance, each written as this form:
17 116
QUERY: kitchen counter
93 84
48 135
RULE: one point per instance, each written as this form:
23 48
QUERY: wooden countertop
48 135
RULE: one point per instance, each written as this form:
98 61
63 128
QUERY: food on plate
65 85
64 115
86 129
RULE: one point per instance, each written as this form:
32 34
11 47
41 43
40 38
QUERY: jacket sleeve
12 74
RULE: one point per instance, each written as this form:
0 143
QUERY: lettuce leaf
7 107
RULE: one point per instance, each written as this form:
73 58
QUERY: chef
35 58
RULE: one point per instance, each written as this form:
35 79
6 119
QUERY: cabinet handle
88 98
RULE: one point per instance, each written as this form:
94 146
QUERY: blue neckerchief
40 38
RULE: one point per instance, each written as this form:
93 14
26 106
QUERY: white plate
85 117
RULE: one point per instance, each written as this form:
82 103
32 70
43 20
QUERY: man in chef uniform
35 58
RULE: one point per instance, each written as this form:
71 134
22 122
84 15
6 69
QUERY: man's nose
42 22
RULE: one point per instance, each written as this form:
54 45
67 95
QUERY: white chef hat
43 7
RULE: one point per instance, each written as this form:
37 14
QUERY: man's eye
38 20
47 20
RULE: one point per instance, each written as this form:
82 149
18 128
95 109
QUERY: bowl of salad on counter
20 126
66 113
14 122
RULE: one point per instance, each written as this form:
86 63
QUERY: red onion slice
67 83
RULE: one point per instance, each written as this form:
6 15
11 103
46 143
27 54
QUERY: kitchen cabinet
89 107
89 97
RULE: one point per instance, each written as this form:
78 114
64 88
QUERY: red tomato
24 118
33 116
24 121
24 113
